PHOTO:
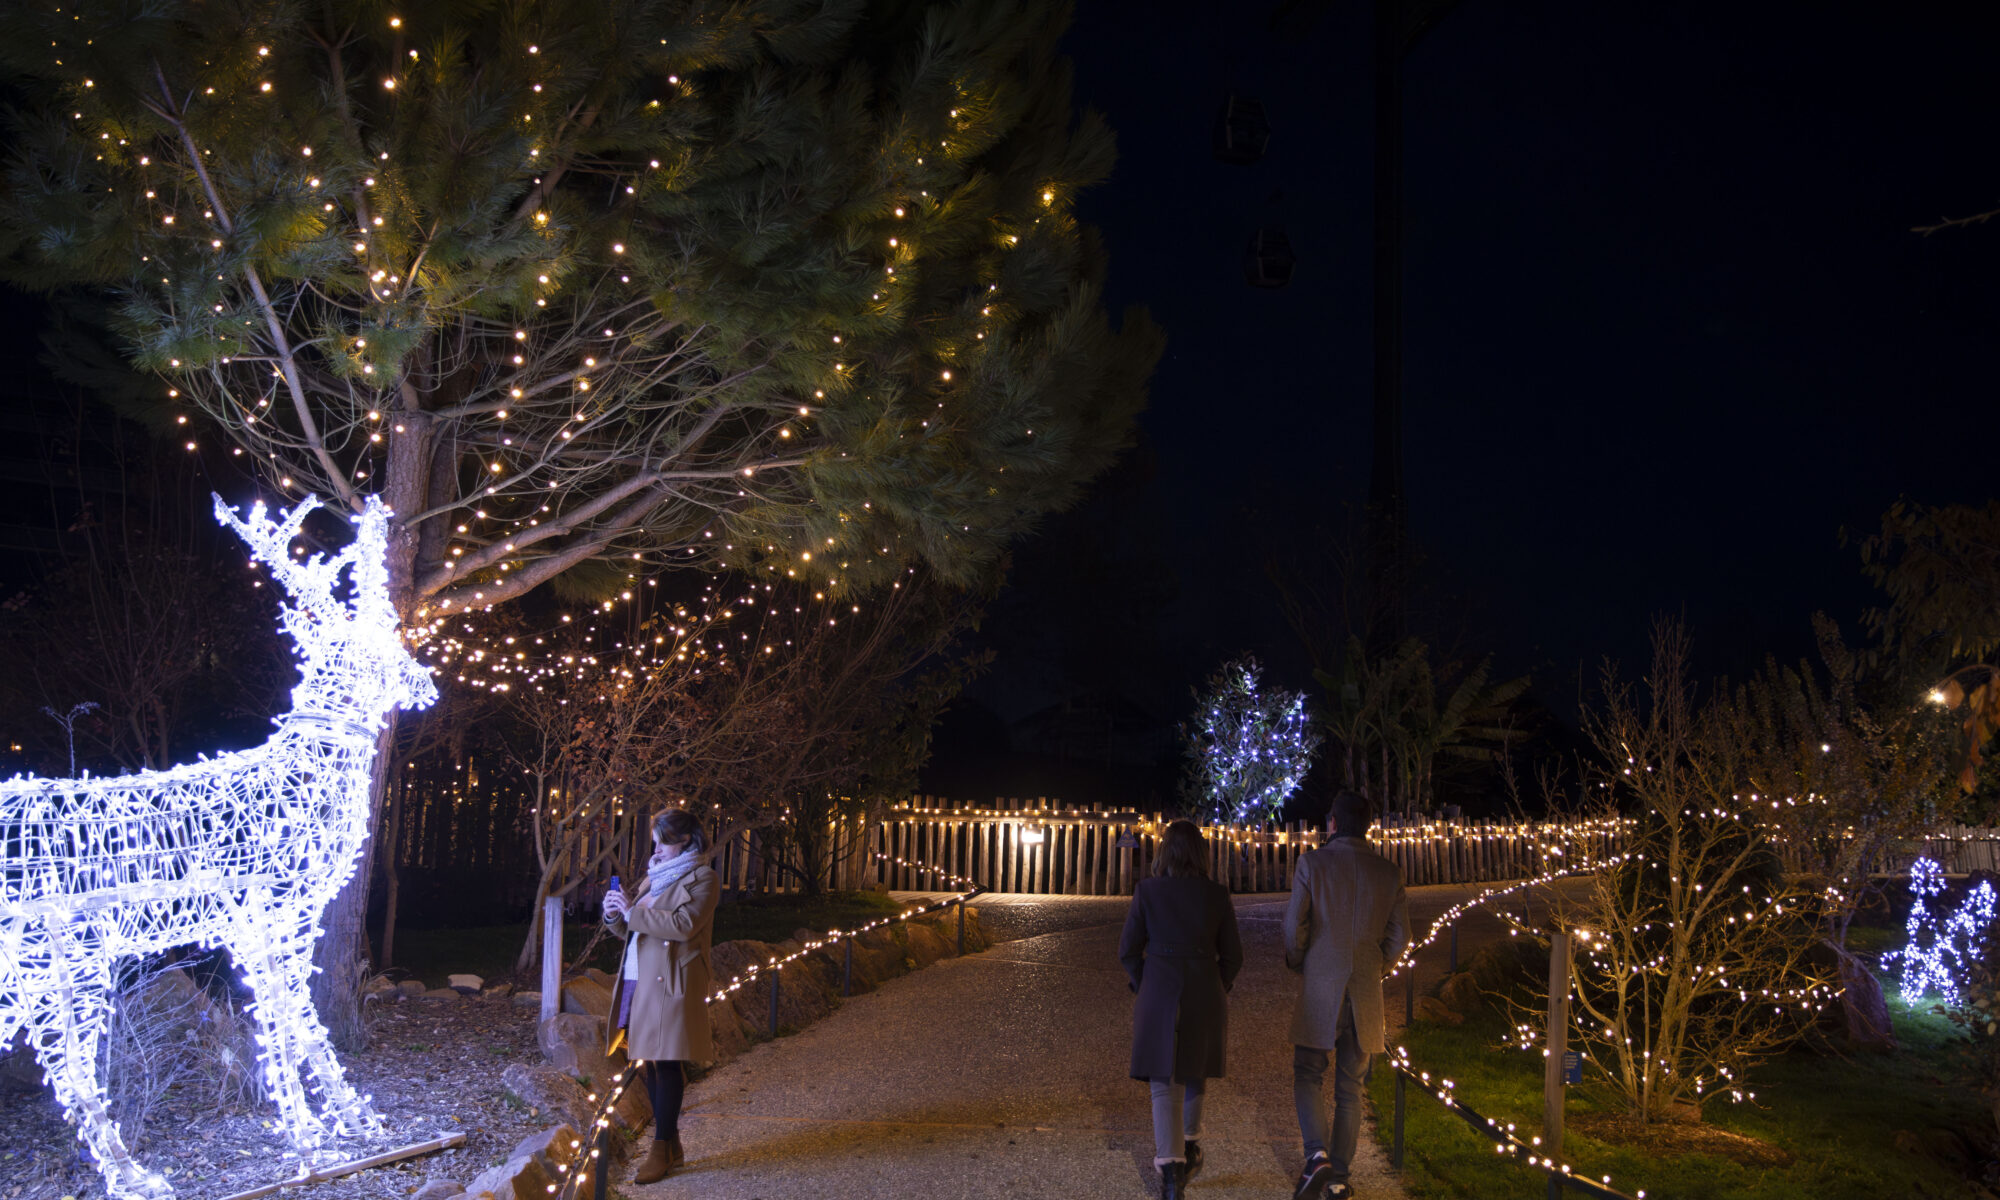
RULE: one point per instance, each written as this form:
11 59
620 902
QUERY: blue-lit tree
1248 748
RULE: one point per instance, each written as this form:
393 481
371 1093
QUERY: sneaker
1338 1191
1193 1152
1314 1179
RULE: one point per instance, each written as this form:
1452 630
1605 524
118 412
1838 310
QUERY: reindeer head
352 657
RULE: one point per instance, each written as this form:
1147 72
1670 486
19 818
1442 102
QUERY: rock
1434 1010
1460 994
548 1092
501 990
1858 1014
527 999
465 984
926 944
439 1189
440 994
380 984
586 996
1907 1142
552 1148
19 1070
412 987
516 1179
572 1042
600 978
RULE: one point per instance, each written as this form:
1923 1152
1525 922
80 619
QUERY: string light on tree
1248 750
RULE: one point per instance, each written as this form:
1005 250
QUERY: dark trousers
666 1086
1337 1136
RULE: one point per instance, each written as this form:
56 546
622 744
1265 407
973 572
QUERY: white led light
243 850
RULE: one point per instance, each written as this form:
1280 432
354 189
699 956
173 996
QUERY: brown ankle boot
675 1157
658 1162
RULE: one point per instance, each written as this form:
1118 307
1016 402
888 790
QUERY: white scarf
661 874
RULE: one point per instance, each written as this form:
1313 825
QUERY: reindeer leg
65 1025
276 967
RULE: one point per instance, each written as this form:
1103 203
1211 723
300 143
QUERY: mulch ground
433 1067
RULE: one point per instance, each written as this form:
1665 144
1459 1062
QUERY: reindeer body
243 851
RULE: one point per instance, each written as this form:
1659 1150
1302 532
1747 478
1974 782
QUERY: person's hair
678 824
1350 815
1183 851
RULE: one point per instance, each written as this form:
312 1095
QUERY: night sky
1668 330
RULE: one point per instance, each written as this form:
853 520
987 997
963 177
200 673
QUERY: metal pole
1410 994
774 1002
847 972
961 926
599 1182
1454 947
1396 1142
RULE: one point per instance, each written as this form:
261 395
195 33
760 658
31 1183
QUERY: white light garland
1941 949
243 851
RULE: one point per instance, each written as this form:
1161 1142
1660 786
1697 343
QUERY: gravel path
1003 1074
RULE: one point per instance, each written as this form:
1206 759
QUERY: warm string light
242 851
566 1175
360 197
1505 1138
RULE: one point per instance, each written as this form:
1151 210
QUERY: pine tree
589 288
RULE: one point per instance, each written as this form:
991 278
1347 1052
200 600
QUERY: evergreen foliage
1248 748
783 285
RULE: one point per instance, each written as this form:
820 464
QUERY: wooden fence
1039 847
1959 849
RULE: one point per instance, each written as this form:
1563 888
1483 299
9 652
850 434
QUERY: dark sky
1668 330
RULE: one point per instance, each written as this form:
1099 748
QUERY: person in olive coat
660 999
1182 952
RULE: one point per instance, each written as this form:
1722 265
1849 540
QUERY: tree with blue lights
1248 748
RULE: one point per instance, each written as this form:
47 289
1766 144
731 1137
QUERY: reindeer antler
309 583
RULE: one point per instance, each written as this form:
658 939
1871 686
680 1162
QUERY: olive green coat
670 1000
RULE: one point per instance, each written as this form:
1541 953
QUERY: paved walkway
1003 1074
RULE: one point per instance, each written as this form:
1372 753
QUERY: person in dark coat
1182 952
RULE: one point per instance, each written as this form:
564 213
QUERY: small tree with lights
1691 954
1248 747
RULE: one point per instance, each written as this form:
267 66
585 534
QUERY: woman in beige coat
660 1001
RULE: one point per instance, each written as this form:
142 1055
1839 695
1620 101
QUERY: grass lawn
489 951
1834 1119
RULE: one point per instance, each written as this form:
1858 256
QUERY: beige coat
670 1004
1348 920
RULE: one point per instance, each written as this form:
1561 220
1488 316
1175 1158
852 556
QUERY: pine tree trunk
342 955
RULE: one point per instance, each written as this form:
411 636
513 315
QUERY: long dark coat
1182 952
669 1009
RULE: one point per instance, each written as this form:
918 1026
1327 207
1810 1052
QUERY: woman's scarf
661 874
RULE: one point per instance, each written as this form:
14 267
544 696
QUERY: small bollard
774 1002
847 972
1396 1139
599 1184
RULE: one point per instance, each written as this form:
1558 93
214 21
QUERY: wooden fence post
552 957
1558 1045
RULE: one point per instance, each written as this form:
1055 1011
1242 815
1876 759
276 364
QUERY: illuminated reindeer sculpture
242 851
